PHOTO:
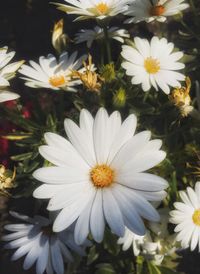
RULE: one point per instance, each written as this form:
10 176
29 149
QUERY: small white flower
99 175
147 10
153 64
99 9
35 239
90 35
53 74
187 218
7 72
131 239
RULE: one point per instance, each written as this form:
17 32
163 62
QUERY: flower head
153 64
146 10
180 97
96 34
99 9
35 239
7 72
89 78
186 216
53 74
99 175
7 179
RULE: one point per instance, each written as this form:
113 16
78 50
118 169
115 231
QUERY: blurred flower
53 74
148 66
89 35
60 39
7 179
94 9
35 239
147 10
99 175
157 242
186 216
108 72
119 98
180 97
7 72
90 79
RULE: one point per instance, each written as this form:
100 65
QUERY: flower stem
107 43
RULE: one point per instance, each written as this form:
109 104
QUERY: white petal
56 256
112 213
97 223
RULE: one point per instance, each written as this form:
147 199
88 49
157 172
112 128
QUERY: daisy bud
119 98
108 72
59 39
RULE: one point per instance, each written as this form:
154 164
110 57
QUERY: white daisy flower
150 10
187 218
99 175
153 64
99 9
7 72
131 239
90 35
53 74
35 239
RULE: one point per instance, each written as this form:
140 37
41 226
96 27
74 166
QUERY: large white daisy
7 72
53 74
90 35
35 240
99 9
150 10
99 175
186 216
153 64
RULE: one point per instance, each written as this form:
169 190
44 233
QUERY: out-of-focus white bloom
153 64
147 10
90 35
7 72
131 239
157 242
53 74
99 9
186 216
99 175
40 244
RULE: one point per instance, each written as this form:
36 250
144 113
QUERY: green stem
190 30
107 43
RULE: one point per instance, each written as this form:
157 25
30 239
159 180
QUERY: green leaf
92 255
105 269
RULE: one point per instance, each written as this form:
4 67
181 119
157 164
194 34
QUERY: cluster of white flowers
98 175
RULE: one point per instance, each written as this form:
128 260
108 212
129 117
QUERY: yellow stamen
196 217
57 81
157 10
102 8
102 176
152 65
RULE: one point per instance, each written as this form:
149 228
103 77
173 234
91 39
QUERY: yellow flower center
151 65
102 176
57 81
157 10
102 8
196 217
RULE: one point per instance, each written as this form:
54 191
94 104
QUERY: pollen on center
102 176
151 65
196 217
57 81
102 8
157 10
